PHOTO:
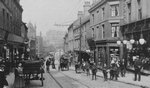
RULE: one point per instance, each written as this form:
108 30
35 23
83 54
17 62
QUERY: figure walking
137 66
105 72
94 71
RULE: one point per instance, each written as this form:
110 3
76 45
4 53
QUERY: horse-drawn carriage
64 63
31 70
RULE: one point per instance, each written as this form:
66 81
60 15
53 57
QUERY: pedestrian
94 71
3 81
137 67
114 70
53 63
48 62
105 72
87 67
122 68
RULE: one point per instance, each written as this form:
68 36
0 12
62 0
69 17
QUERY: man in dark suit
137 66
94 71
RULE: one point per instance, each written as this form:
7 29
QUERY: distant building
32 39
55 38
78 31
65 43
24 32
39 45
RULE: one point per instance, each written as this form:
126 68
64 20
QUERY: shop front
14 44
106 50
2 44
137 35
92 47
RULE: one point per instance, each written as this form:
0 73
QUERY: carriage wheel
42 78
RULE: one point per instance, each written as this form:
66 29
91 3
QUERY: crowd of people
117 68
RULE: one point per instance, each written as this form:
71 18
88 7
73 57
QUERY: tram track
61 86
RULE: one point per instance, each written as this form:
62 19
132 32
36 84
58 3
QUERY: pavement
128 79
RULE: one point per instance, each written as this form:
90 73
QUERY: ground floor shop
106 50
139 33
12 48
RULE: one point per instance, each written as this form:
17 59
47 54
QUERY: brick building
135 30
10 29
106 16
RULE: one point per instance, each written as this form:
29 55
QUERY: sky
46 13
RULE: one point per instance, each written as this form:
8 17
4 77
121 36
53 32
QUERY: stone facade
11 39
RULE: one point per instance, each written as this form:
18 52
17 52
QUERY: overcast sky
45 13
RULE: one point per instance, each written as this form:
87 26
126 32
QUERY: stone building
10 29
65 47
135 30
78 31
32 40
106 16
39 46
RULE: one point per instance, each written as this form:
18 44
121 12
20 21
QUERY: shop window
129 11
93 18
93 32
140 13
139 10
115 29
115 10
103 32
103 13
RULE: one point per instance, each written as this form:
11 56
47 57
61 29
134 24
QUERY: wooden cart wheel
42 78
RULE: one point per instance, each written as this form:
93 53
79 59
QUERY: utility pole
80 43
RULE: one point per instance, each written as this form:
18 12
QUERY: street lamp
141 40
28 49
125 41
132 41
119 42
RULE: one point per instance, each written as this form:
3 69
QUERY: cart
64 63
32 69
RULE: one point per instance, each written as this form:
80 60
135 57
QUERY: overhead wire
76 7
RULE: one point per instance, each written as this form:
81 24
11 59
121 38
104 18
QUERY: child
94 71
105 72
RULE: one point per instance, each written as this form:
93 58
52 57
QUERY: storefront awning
91 44
15 38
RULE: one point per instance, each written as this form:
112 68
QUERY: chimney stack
80 14
86 7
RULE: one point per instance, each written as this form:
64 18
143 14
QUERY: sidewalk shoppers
137 66
94 71
114 69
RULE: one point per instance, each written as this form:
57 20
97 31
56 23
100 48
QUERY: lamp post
142 40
